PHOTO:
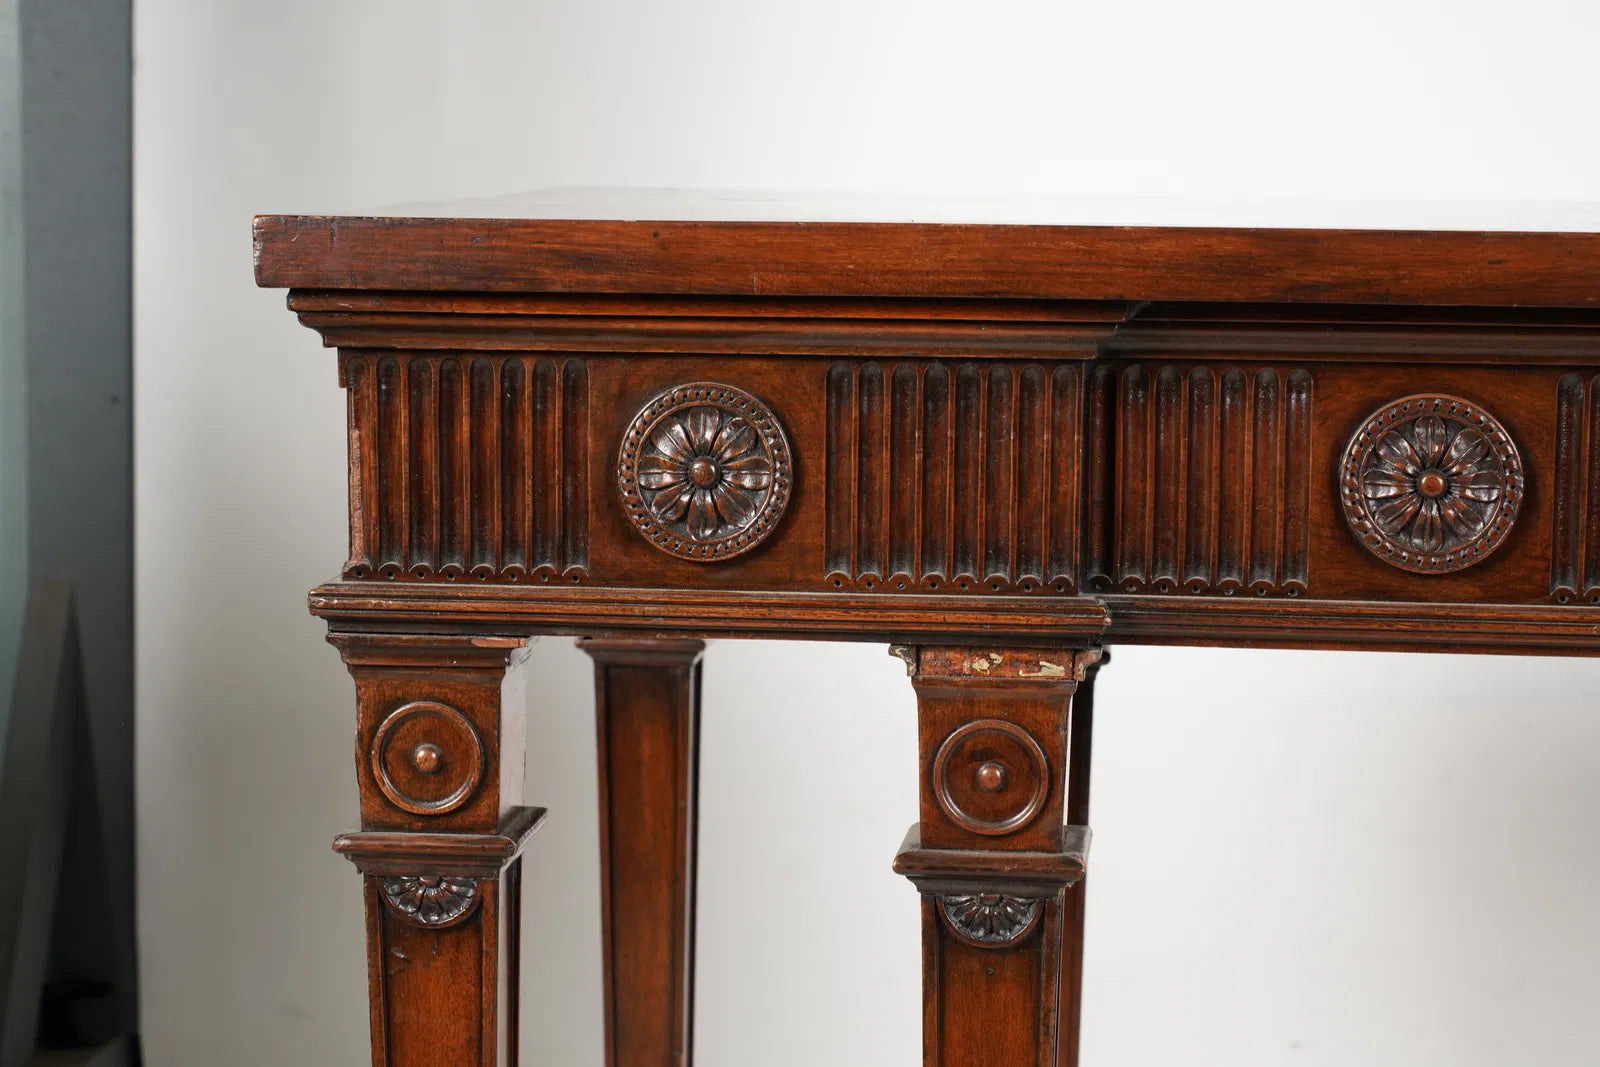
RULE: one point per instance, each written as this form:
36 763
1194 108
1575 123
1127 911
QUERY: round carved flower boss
1431 484
427 758
991 777
705 471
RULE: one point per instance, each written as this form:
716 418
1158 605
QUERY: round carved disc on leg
991 777
427 758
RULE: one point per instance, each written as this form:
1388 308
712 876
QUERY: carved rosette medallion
1431 484
991 777
431 900
427 758
990 920
705 471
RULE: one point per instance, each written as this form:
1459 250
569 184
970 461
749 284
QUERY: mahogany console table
1000 449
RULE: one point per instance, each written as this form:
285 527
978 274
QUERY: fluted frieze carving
953 477
1575 548
1199 482
468 467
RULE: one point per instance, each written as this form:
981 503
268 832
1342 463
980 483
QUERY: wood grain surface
1001 448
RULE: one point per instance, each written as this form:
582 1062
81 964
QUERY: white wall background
1395 865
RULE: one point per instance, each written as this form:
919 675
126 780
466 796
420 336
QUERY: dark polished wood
647 728
990 853
1080 747
999 448
439 759
1116 263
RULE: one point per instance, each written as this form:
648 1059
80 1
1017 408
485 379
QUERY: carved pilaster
440 766
990 854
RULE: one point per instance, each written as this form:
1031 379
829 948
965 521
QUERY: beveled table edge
1314 266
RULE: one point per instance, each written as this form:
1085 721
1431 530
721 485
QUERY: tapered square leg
647 699
439 759
992 857
1079 753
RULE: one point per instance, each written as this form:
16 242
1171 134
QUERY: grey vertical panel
77 70
13 367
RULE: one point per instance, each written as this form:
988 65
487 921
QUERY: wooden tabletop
721 253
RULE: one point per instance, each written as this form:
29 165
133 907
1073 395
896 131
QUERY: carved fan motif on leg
990 919
431 900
